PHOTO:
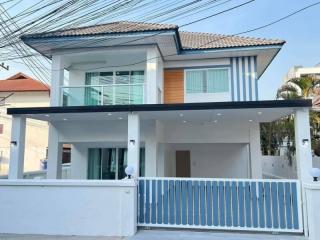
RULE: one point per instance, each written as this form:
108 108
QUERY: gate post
303 155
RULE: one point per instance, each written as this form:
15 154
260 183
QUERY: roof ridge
100 25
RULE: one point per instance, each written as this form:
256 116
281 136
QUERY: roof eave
262 46
299 103
27 40
38 37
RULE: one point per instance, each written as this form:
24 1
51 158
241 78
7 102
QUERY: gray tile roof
189 40
114 27
196 40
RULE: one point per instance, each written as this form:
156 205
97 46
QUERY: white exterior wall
153 68
57 78
255 151
133 143
79 161
77 78
159 139
312 193
278 166
54 167
207 133
212 160
154 75
243 82
154 149
61 207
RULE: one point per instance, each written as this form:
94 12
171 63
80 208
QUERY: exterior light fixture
13 143
184 121
215 121
305 142
109 114
259 113
315 173
250 120
65 119
181 115
219 114
129 170
47 115
120 118
132 142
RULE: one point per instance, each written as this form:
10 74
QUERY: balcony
109 94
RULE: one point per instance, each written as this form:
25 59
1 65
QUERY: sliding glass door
110 163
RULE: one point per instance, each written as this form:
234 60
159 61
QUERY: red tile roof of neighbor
22 83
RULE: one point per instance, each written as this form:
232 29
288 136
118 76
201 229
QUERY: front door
183 164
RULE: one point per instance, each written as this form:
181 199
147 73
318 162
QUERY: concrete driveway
165 235
208 235
46 237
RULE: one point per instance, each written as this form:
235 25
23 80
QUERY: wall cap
312 186
68 183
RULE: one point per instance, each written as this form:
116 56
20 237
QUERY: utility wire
218 39
236 34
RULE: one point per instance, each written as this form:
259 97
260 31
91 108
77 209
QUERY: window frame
207 69
114 76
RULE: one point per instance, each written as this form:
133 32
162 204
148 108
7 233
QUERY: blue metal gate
229 204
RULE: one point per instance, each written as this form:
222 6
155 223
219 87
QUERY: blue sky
301 32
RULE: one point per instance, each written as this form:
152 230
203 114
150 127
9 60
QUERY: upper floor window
214 80
116 87
117 77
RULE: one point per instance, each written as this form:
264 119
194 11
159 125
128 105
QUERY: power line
2 65
247 31
236 34
95 41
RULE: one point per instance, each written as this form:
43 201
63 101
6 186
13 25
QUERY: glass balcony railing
113 94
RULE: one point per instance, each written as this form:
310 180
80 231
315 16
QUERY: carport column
18 132
303 144
54 170
134 142
57 76
255 151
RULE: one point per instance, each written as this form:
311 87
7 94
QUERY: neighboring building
181 109
300 71
18 91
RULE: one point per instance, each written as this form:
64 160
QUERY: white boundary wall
277 166
68 207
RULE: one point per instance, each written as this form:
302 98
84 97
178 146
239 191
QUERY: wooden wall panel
173 86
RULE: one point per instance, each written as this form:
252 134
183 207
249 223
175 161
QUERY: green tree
276 133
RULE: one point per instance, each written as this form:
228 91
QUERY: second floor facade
152 64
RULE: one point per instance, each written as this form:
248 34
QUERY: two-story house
181 109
